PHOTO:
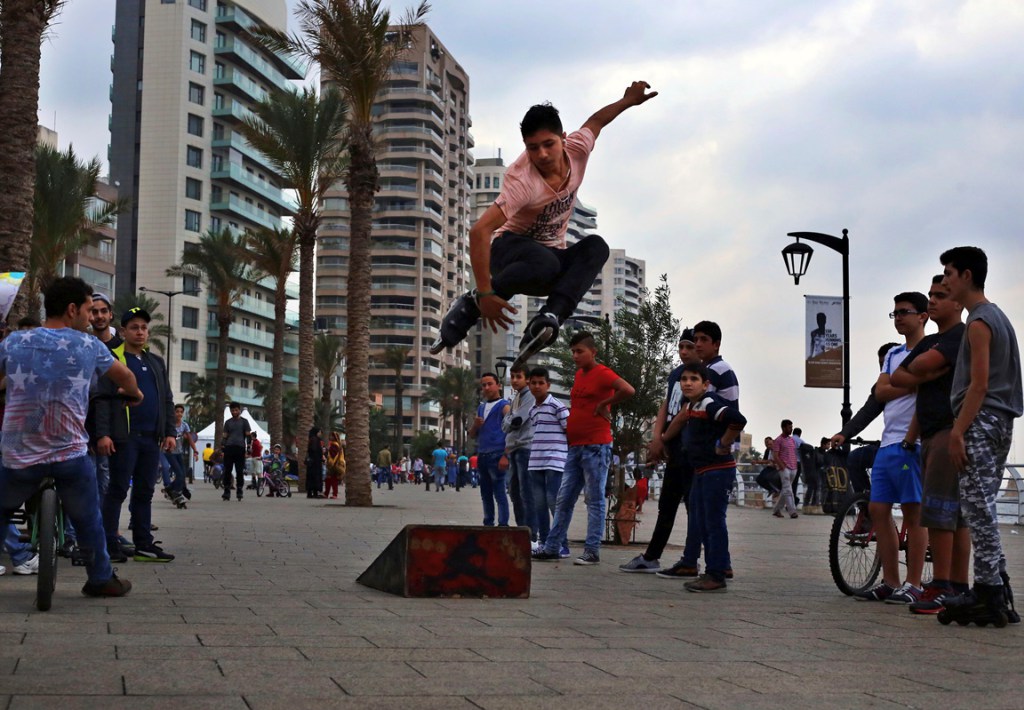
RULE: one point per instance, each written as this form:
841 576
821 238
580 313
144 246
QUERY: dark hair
63 292
710 329
798 431
490 374
938 278
234 405
28 322
540 372
786 421
583 338
523 368
541 117
884 350
971 259
915 298
179 406
697 369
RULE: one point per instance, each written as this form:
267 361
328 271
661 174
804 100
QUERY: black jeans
523 265
234 457
675 488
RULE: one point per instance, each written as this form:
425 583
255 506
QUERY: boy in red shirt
589 431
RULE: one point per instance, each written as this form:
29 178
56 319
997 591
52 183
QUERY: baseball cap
135 313
101 297
687 336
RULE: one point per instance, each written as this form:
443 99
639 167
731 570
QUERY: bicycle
44 516
852 554
272 479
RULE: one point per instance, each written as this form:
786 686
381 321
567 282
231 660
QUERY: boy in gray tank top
986 396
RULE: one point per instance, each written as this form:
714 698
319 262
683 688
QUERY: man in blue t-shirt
490 449
439 469
48 372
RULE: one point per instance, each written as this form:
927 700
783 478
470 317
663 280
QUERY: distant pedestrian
314 463
234 440
784 459
438 472
384 467
335 466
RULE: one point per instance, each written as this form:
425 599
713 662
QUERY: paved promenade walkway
261 610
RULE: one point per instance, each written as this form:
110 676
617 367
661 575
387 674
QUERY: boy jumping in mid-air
518 244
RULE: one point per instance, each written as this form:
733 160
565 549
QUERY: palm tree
301 137
63 213
162 336
355 46
328 354
456 391
395 357
272 252
201 400
22 26
215 260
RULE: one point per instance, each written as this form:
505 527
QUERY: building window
195 125
189 349
196 93
197 62
487 182
190 283
193 221
189 317
198 31
497 182
218 101
193 189
194 157
186 381
198 4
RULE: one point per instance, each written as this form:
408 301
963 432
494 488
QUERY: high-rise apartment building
185 74
420 225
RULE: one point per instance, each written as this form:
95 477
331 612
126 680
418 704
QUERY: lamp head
797 257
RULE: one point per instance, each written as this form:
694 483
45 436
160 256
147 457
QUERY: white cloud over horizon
901 120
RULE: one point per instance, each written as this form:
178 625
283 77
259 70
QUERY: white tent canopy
206 435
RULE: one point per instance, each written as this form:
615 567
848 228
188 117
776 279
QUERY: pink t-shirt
531 207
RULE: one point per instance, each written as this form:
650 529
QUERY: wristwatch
908 445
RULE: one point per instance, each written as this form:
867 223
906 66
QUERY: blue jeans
519 469
134 465
20 552
709 502
545 485
102 464
76 485
586 469
492 488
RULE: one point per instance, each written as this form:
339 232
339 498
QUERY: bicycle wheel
852 554
46 518
261 483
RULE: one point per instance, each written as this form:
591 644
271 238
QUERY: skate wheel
945 618
1000 620
963 622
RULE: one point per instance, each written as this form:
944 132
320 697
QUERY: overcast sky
900 120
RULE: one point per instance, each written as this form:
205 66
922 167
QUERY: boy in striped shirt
548 451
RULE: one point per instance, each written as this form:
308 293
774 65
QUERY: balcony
239 208
243 178
235 111
238 142
239 19
241 85
244 54
245 334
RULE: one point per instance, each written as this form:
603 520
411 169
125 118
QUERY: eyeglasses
904 312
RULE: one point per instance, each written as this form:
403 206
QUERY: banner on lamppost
824 351
9 283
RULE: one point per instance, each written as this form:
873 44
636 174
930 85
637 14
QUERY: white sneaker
534 546
29 567
3 570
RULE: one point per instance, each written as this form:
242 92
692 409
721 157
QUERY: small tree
423 444
201 400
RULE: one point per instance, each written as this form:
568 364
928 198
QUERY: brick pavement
261 610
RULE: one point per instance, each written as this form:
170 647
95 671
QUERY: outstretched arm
635 95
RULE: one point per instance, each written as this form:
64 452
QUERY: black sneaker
151 553
117 555
113 587
544 556
543 326
679 571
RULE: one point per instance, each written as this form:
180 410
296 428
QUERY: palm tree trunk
275 416
223 324
22 23
305 226
399 411
362 184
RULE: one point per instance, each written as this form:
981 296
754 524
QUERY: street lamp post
798 257
170 317
501 366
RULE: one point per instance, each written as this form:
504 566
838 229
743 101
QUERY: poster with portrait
824 349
